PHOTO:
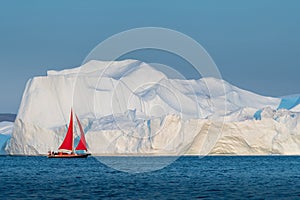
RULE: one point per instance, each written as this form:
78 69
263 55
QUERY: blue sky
255 44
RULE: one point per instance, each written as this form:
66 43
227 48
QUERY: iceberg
6 129
130 108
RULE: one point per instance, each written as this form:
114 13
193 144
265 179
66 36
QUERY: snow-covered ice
128 107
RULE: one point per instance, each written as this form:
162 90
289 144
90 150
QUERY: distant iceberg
6 129
129 107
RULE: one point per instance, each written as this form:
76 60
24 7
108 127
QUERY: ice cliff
128 107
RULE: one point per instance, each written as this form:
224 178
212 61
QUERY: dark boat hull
69 156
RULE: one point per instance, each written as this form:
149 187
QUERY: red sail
82 143
68 141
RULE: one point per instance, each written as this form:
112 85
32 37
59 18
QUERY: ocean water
219 177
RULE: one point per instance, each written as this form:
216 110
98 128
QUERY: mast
72 131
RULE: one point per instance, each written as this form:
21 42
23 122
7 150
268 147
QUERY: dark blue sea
220 177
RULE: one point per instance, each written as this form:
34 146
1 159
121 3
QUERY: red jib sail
82 143
68 141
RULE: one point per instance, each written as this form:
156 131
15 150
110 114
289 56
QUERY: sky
254 43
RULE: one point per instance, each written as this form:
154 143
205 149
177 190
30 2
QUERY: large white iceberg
128 107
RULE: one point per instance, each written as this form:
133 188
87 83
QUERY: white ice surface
128 107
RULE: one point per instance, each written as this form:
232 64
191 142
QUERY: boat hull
69 156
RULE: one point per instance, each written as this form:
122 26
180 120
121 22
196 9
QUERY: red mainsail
68 141
82 143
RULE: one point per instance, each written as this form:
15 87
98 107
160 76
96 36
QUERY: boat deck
68 155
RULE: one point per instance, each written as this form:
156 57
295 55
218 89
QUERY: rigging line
76 134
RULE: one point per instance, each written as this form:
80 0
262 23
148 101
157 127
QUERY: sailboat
66 149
